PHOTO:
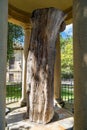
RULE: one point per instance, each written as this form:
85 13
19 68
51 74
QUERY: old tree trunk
41 58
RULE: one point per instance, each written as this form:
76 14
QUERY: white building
14 67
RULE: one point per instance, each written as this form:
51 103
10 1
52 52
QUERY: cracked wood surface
40 63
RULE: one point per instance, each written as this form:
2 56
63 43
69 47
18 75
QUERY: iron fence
14 75
67 90
13 86
13 92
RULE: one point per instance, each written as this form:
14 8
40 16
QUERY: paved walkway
63 120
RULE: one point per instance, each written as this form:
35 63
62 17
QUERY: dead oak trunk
40 69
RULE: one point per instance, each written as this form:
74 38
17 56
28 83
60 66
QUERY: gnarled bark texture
40 76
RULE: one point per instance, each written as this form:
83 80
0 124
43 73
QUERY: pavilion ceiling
24 8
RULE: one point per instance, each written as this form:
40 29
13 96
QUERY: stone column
80 63
57 68
3 50
57 72
27 30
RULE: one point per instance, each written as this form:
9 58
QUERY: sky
68 31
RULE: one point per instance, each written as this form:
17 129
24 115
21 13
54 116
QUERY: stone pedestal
63 120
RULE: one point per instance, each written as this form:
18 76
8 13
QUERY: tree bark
40 66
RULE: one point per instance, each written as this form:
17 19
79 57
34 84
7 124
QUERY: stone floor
63 120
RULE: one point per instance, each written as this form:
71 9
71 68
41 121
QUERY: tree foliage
67 57
15 34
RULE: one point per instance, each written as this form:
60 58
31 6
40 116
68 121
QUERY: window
11 77
11 63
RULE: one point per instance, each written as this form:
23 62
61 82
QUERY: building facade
15 65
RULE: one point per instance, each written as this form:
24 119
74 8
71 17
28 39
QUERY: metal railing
67 90
13 92
13 86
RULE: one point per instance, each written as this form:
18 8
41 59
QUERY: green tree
15 34
67 57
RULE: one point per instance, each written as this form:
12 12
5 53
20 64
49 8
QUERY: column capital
27 30
27 27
